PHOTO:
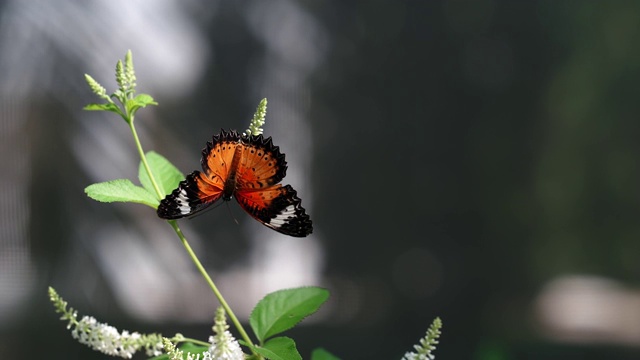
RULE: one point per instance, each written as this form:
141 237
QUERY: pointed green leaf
266 353
166 175
138 102
322 354
279 348
121 190
281 310
102 107
132 106
144 99
283 347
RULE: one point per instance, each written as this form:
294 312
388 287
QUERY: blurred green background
469 159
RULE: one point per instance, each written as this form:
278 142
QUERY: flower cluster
108 340
223 345
427 344
258 119
104 338
125 76
177 354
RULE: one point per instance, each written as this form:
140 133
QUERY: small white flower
156 350
105 338
427 343
414 356
102 337
224 347
190 356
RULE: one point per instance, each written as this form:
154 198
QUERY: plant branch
143 158
213 286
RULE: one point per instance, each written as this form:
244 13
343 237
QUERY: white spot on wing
284 217
183 203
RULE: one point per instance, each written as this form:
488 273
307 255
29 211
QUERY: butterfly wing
194 194
261 165
277 207
217 156
257 172
201 189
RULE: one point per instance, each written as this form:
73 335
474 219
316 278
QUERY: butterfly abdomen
232 180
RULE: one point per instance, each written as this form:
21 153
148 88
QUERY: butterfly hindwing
277 207
193 195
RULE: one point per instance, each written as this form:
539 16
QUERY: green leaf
167 176
322 354
283 347
143 100
102 107
283 309
122 190
279 348
138 102
132 106
266 353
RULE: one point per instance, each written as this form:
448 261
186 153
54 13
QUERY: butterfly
249 168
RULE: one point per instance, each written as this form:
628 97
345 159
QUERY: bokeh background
475 160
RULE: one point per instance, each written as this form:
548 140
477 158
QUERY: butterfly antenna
204 211
231 213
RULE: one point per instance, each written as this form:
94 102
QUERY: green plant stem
214 288
193 341
143 158
185 243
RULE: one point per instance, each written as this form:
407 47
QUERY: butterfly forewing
261 164
194 194
217 157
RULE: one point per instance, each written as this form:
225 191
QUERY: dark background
473 160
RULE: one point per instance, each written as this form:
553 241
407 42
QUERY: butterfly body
248 168
231 182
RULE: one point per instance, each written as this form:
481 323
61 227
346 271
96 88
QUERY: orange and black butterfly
249 168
